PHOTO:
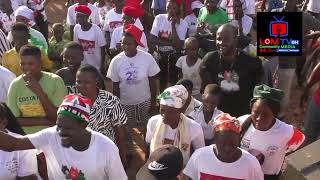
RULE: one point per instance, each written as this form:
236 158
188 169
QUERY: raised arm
10 143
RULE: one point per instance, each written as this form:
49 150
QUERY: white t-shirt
133 74
101 161
91 41
204 164
113 20
117 36
94 17
314 6
18 163
7 21
192 24
103 10
273 144
6 77
195 131
207 128
246 24
191 73
194 103
162 28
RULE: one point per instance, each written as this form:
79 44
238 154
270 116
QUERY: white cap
196 5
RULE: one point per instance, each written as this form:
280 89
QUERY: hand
200 27
312 35
33 84
304 97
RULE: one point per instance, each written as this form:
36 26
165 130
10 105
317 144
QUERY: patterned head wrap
174 96
226 122
76 107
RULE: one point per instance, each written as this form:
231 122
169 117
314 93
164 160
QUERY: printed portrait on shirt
229 81
88 46
73 173
115 24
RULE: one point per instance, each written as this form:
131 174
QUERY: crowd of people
184 73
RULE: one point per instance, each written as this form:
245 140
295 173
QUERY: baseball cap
164 163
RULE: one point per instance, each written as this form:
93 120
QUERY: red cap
133 3
132 11
83 9
135 32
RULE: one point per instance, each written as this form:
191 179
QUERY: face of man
226 40
19 38
81 18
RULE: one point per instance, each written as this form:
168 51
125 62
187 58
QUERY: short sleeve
191 169
198 137
46 64
179 62
153 68
42 138
101 40
106 26
59 93
119 117
255 170
150 130
139 24
155 26
71 20
27 163
75 34
12 99
182 30
114 168
97 18
223 4
144 42
113 41
113 73
296 140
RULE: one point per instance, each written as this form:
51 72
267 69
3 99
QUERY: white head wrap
25 12
196 5
174 96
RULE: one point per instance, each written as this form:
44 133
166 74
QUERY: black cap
164 163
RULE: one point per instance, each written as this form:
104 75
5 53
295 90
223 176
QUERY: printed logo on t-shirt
115 24
272 149
245 143
72 89
230 82
73 173
11 165
87 45
164 34
132 75
204 176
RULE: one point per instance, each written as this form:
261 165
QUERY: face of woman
169 114
262 115
129 45
86 83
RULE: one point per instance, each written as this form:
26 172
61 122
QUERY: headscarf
226 122
25 12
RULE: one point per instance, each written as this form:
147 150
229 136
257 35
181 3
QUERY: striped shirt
4 45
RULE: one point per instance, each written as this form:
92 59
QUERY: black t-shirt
69 79
236 79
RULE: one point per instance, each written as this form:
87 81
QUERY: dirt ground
56 12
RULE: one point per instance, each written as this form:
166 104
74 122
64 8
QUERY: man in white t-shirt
6 77
130 16
113 20
72 19
72 150
224 160
171 126
91 38
167 35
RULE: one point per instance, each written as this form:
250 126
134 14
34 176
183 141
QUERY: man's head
5 5
172 101
226 39
192 47
30 62
72 55
226 135
172 8
73 118
211 97
82 14
165 162
58 31
20 35
24 15
211 5
88 80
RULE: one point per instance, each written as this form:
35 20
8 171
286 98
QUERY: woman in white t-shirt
265 136
133 73
189 65
224 160
17 164
91 38
208 111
